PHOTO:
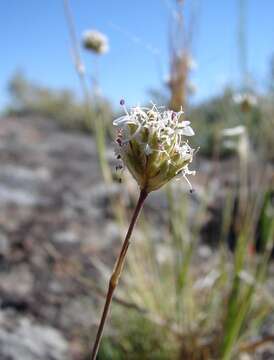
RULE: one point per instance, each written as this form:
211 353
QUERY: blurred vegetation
214 115
209 118
29 98
138 338
190 308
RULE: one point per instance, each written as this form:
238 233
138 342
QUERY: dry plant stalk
180 59
78 63
151 144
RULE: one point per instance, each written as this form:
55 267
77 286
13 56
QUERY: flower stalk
151 144
117 271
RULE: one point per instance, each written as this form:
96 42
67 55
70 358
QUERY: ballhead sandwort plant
151 144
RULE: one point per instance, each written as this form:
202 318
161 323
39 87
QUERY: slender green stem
118 268
97 125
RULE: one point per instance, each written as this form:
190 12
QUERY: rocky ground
56 229
53 211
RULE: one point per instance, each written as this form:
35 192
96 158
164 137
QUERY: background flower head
95 41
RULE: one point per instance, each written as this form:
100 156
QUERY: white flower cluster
152 145
242 97
95 41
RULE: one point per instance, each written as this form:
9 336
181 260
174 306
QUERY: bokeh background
198 283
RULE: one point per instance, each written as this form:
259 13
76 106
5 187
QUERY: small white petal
187 131
123 120
183 124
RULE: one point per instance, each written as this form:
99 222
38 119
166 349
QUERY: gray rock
4 244
79 313
66 237
17 282
31 341
19 197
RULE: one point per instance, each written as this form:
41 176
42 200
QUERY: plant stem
97 126
75 50
118 268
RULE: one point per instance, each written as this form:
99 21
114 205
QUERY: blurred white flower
235 131
238 140
95 41
245 100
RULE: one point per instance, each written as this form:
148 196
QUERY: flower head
152 145
95 41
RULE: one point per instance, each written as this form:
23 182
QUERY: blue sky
34 38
